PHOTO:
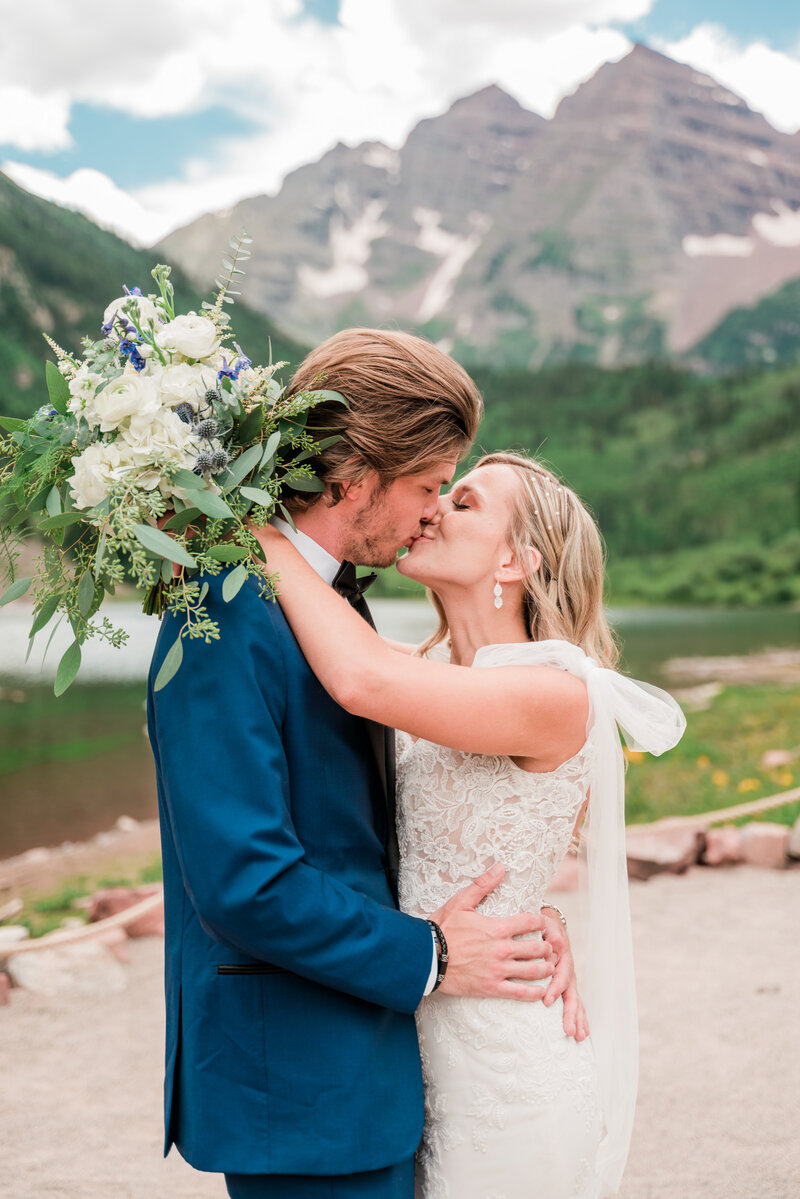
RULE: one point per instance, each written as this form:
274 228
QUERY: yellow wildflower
720 778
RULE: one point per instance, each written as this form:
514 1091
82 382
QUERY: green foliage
555 251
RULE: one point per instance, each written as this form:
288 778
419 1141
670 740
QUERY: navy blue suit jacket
291 978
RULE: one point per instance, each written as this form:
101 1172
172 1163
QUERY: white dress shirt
326 567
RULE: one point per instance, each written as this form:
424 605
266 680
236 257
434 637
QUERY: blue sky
146 130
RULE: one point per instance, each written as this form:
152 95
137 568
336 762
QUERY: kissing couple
349 913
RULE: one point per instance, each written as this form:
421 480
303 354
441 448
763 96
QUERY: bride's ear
511 570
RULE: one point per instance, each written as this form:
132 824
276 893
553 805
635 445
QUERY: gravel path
719 1109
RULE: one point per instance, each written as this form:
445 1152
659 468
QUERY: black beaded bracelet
441 954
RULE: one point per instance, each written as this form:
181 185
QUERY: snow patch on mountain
455 251
350 251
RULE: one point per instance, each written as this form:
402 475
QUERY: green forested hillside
58 271
767 334
695 482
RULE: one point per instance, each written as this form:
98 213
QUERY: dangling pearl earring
498 595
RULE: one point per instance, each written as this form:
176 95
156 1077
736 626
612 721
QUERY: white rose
192 336
94 473
126 396
144 312
185 384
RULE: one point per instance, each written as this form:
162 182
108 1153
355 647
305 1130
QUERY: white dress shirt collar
323 563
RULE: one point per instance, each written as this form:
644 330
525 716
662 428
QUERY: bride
509 744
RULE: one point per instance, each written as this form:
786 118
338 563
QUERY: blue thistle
186 413
212 396
219 461
206 428
203 462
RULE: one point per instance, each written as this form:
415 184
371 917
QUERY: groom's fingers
469 897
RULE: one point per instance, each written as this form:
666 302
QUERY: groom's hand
487 960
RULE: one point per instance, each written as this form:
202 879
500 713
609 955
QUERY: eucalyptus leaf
228 553
166 572
57 388
12 424
271 445
233 582
53 502
61 520
287 516
45 614
250 427
213 505
240 468
171 663
17 588
328 397
187 479
181 520
68 667
258 496
85 593
163 545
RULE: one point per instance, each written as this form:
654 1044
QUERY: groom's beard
374 538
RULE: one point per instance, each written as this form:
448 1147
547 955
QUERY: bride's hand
564 981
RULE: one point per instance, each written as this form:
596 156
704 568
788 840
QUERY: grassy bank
718 762
44 913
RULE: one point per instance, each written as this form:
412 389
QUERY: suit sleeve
216 735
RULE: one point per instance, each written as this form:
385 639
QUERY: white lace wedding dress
513 1106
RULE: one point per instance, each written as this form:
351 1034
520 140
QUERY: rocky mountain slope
652 204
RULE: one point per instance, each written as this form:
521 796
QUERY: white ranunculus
147 311
130 394
192 336
186 384
94 473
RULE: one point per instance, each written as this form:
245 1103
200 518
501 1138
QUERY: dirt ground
719 1109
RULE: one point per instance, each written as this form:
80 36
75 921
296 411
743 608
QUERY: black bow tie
349 585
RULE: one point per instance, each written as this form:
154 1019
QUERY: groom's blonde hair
409 406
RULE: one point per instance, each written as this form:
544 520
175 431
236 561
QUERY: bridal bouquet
156 450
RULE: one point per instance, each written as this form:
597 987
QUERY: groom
291 978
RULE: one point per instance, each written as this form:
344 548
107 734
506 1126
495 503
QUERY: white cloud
34 122
305 85
769 80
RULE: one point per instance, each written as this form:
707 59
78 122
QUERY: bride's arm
527 711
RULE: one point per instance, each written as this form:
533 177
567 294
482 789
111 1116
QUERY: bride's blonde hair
563 598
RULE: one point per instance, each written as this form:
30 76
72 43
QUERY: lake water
70 767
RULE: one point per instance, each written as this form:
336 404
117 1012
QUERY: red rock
566 877
765 844
658 850
723 845
5 990
119 899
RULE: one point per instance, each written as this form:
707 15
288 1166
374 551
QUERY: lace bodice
459 812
